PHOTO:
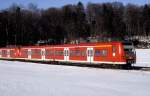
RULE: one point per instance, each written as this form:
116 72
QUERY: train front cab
129 53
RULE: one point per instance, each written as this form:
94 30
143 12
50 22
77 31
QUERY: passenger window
98 53
36 52
4 52
71 53
11 52
39 52
104 52
25 52
61 53
77 53
51 53
47 53
56 53
83 53
101 52
114 49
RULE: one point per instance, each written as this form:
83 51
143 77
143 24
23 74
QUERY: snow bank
31 79
143 57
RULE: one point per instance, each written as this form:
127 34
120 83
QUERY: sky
59 3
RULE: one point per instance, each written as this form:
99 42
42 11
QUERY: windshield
128 46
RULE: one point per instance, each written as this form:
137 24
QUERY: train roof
64 45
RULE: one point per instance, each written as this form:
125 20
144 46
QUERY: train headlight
114 54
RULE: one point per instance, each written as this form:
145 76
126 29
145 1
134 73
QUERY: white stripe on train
71 61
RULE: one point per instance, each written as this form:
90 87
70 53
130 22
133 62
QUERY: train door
43 53
29 53
8 53
17 50
0 53
90 54
66 54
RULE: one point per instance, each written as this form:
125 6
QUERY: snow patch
143 57
31 79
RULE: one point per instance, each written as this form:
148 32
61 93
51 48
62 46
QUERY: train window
92 53
4 52
104 52
25 52
114 49
101 52
32 52
71 53
41 52
11 52
0 52
56 53
77 53
51 53
59 53
47 53
38 52
98 53
83 53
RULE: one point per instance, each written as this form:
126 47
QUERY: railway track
104 66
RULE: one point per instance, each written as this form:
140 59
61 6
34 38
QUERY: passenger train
114 53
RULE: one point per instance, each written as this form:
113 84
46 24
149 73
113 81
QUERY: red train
89 53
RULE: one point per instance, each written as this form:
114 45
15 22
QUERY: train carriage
91 53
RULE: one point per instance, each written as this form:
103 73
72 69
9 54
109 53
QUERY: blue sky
59 3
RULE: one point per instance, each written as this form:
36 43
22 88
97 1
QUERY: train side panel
36 54
58 54
78 54
49 53
103 54
24 53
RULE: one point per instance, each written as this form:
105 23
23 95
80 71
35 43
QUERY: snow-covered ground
143 57
31 79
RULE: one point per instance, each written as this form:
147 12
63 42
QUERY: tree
26 26
146 20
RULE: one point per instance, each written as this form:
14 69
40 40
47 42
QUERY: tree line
27 26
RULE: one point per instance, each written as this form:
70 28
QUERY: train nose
130 58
